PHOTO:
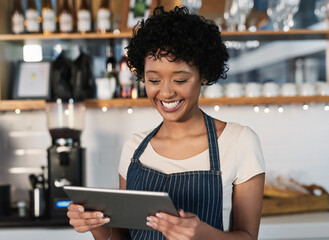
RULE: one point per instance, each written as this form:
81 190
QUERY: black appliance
66 157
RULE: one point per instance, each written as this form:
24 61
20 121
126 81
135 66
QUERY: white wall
295 142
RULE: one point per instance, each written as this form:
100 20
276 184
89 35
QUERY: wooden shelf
12 105
62 36
24 105
294 34
118 103
263 100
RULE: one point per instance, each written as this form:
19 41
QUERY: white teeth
171 104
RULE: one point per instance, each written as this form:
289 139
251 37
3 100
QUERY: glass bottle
125 76
111 71
104 17
65 18
140 8
84 17
17 18
48 17
32 18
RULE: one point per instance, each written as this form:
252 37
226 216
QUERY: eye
180 81
154 80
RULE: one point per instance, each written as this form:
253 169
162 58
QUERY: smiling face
172 87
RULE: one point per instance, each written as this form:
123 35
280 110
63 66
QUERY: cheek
149 90
192 91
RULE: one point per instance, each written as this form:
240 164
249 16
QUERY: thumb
181 213
185 214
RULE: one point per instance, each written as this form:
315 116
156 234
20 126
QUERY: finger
186 214
162 221
181 213
85 215
172 226
177 221
169 230
88 222
75 207
82 229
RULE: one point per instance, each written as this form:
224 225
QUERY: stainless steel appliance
66 156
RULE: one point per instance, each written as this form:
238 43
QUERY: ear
204 82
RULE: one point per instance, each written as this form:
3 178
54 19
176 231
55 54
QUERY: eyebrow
176 72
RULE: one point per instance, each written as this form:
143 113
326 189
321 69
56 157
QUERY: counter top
295 226
16 222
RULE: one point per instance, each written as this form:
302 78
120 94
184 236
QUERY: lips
171 106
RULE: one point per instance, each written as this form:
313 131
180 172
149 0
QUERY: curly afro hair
188 37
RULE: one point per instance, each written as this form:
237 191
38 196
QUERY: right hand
84 221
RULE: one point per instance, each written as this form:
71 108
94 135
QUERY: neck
177 130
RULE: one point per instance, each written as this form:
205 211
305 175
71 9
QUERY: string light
305 107
326 107
280 109
17 111
266 109
130 111
67 112
104 109
256 109
216 108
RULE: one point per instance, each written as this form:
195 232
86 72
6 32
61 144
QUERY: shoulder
234 131
248 154
136 139
240 132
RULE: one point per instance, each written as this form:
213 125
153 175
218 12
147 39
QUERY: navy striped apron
199 192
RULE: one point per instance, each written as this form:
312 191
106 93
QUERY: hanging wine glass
231 14
290 9
245 7
321 8
275 9
192 5
294 10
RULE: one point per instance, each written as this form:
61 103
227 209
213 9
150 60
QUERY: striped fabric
199 192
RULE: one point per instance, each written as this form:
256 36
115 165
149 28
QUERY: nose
167 90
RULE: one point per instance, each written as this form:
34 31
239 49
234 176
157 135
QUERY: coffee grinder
66 156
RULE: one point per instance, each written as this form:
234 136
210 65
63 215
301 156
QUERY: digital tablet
126 208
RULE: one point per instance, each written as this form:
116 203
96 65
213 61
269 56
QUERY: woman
212 170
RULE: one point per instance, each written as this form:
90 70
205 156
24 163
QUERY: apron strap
212 143
146 140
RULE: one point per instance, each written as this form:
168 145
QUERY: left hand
184 227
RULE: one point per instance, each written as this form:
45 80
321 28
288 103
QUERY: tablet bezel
126 208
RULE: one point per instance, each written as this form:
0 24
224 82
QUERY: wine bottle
104 17
125 76
111 71
139 8
110 61
32 18
65 18
84 17
17 18
48 17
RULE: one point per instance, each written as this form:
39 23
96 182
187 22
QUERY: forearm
208 232
104 233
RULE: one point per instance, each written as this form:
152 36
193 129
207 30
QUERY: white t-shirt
240 152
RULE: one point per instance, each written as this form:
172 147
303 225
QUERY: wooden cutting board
277 205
